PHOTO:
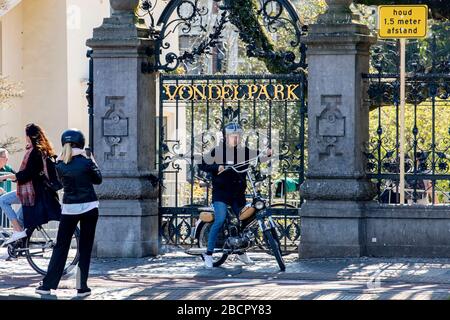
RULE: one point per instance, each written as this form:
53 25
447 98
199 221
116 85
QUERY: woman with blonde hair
78 173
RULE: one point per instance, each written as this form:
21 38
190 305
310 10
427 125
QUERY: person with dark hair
78 173
40 204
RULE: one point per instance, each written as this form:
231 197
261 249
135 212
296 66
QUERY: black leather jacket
78 178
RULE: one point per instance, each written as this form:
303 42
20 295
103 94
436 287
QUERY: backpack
52 181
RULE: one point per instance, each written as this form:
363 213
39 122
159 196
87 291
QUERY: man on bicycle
228 185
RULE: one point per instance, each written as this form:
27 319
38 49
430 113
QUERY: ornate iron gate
193 109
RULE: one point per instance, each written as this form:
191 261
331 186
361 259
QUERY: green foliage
434 49
439 9
441 31
309 10
420 117
243 15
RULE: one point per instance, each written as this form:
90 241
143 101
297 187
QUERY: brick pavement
179 276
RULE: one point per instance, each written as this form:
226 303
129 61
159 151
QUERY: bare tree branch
3 4
8 90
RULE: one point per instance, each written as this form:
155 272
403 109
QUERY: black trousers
67 225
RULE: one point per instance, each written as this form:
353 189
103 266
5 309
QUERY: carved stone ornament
115 126
330 127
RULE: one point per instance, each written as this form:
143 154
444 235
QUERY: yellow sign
396 21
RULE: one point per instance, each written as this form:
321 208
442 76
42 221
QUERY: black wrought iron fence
427 155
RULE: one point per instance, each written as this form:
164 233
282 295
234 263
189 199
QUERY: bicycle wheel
167 230
218 257
262 243
274 245
40 248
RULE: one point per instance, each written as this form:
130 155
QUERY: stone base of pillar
332 229
127 229
339 189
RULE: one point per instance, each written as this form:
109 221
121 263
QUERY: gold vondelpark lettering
252 89
169 94
184 88
263 91
227 92
278 92
236 92
291 95
231 92
219 92
198 93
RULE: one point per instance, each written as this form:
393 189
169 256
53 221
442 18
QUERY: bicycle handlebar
247 162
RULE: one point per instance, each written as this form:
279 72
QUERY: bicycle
38 246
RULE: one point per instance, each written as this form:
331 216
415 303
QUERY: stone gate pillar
124 136
336 188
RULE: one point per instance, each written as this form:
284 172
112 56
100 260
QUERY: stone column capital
344 38
123 6
122 29
338 12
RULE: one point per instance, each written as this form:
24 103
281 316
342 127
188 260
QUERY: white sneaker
208 261
245 258
42 290
16 236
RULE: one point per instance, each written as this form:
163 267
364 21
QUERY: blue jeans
220 214
6 202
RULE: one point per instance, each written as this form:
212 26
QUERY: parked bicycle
37 247
239 236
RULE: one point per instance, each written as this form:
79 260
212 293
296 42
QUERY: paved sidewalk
177 275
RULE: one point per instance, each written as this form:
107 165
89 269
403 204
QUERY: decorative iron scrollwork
192 17
425 62
266 18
